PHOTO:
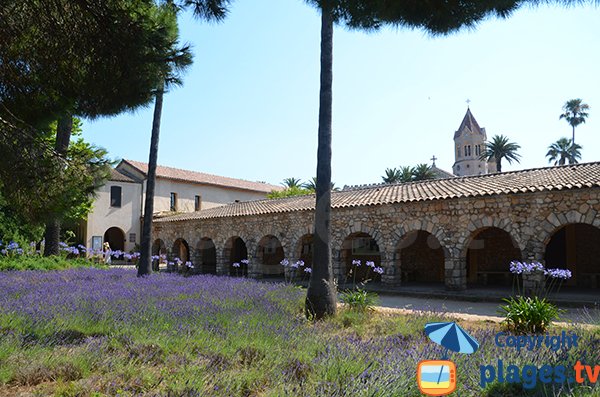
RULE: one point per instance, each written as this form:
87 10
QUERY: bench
483 276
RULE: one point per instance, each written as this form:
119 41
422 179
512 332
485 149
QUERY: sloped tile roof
115 175
576 176
469 123
200 177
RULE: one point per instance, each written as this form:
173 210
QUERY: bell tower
469 145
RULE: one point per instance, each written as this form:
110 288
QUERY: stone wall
529 218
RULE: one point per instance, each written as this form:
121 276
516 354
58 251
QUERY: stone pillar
455 269
222 264
255 266
339 268
170 257
392 276
534 283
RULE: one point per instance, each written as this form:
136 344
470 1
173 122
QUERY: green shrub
44 263
359 299
526 315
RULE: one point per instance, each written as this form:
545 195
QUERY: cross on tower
433 159
468 102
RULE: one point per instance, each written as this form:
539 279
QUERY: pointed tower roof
469 124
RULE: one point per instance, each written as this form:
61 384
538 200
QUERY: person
107 253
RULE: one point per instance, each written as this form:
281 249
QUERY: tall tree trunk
321 297
63 137
499 164
573 140
145 263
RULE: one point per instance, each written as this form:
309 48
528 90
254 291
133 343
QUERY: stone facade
452 225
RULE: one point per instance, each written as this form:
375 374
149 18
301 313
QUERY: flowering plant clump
291 269
533 314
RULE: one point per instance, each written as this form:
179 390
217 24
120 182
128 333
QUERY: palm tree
435 17
423 172
392 175
312 185
179 59
562 151
500 148
291 182
406 173
575 112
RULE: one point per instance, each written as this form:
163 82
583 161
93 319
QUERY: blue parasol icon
452 337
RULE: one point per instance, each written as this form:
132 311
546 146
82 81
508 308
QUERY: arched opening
489 254
181 250
159 248
360 247
206 256
235 252
115 237
305 249
270 254
576 247
421 258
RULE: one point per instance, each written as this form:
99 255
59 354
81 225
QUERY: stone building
469 145
455 232
117 214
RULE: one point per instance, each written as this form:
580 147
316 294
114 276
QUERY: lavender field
95 332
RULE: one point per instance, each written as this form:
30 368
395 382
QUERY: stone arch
555 221
304 249
115 237
234 252
269 254
487 255
206 255
405 229
357 228
159 248
364 248
575 246
421 257
181 250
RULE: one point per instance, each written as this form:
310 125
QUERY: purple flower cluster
563 274
517 267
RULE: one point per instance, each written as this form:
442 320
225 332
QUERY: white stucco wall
126 217
211 196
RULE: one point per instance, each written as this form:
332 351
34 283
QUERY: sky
249 104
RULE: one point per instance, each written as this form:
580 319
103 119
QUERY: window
173 201
132 237
469 147
458 151
115 196
197 203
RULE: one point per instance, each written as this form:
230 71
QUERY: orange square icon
436 377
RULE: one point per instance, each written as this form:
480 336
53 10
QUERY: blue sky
249 104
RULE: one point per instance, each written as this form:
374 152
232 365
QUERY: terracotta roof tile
538 179
115 175
200 177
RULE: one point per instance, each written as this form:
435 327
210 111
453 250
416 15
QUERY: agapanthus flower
189 264
370 264
307 270
235 264
284 262
563 274
155 257
245 261
295 265
300 263
379 270
356 262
